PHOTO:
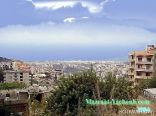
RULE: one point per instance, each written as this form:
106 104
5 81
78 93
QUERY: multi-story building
5 65
142 64
16 76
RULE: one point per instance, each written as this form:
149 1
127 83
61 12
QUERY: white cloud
50 34
54 5
85 17
92 7
69 20
29 0
73 19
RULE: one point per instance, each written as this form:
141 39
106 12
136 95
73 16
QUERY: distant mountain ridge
3 59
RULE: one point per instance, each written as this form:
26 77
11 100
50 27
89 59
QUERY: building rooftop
151 91
15 71
142 53
150 50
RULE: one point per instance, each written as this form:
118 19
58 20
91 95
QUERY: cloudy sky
75 29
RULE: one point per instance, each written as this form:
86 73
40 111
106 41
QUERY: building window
132 63
148 74
149 59
139 74
139 66
148 67
7 95
132 77
140 59
15 74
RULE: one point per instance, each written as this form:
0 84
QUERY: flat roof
142 53
15 71
151 90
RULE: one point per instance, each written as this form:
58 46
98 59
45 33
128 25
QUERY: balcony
130 73
145 69
131 60
144 61
131 66
132 80
143 77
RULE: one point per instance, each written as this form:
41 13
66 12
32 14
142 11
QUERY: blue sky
75 29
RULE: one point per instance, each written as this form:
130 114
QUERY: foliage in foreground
1 75
7 112
147 83
68 97
13 85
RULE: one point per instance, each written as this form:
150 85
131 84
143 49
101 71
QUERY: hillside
2 59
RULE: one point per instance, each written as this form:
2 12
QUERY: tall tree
68 97
1 76
152 82
70 93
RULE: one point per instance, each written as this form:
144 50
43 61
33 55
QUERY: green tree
1 76
4 111
13 85
144 84
147 83
152 82
118 88
70 93
68 97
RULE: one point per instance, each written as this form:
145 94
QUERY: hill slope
2 59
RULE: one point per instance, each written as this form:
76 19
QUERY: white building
150 93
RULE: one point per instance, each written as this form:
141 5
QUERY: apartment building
5 65
142 64
17 76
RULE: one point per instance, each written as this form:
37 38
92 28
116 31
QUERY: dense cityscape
39 78
53 70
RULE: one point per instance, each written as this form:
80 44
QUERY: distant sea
67 52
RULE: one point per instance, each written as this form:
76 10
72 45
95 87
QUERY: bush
13 85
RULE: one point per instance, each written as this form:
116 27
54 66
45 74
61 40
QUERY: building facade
6 65
142 64
17 76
